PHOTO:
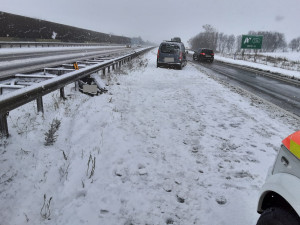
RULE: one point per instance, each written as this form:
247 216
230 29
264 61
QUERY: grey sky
157 20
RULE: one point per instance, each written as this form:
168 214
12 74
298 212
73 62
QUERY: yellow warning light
75 66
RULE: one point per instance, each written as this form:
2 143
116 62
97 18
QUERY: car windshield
169 48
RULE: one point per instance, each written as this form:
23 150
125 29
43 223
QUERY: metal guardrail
22 96
20 44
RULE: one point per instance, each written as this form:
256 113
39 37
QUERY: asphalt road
281 93
13 63
47 52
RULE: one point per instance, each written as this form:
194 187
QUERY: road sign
251 41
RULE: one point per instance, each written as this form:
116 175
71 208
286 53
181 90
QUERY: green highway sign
251 41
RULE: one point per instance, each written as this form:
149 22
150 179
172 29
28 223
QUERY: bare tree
206 39
272 41
295 44
222 40
230 43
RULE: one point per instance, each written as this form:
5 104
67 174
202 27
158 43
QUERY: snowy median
279 71
163 146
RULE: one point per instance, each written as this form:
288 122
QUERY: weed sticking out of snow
50 135
45 210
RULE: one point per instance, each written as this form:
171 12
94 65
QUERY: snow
280 71
292 56
169 147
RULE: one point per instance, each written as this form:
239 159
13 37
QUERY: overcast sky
157 20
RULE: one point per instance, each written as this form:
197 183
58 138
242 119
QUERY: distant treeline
21 28
220 42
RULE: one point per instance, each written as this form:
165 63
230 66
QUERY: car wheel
157 65
180 67
278 216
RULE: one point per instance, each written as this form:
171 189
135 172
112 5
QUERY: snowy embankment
163 146
284 72
291 56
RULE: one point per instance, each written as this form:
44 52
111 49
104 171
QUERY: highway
12 63
285 94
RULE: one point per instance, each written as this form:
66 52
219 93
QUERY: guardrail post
76 85
62 93
103 71
40 107
3 125
108 69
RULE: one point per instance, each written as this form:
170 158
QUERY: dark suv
171 53
204 54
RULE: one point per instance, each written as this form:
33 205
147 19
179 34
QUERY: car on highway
279 201
204 54
172 54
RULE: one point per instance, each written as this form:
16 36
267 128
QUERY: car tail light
180 57
212 54
202 53
158 54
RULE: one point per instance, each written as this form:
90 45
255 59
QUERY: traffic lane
28 65
49 52
280 93
279 88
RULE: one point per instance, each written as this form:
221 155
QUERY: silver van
171 54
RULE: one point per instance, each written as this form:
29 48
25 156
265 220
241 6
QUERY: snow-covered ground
292 56
284 72
163 146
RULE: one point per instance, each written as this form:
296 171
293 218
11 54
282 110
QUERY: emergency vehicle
279 202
